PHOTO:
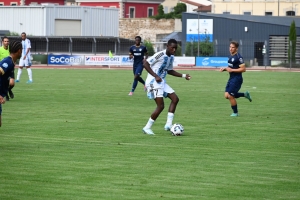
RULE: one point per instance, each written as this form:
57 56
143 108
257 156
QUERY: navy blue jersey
138 52
7 68
234 62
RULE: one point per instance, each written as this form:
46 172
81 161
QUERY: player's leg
159 100
11 85
170 93
21 65
135 82
139 78
232 89
247 96
29 71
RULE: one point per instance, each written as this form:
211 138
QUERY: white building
60 20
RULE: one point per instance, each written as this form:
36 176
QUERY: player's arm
150 71
241 69
177 74
28 48
146 53
130 53
25 56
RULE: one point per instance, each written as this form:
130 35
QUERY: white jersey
160 63
27 62
26 44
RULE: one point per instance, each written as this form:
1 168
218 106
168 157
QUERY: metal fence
77 45
253 52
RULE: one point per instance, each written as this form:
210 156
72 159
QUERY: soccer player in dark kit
7 67
138 52
236 67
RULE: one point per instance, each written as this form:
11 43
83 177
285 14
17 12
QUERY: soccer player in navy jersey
7 67
4 52
236 67
138 52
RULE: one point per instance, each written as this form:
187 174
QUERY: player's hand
24 58
2 100
158 79
188 77
222 69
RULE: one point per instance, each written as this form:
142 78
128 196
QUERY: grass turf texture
75 134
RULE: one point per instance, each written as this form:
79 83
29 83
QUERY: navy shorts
233 86
138 69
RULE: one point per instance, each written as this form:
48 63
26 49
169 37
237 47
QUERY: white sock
19 73
29 74
149 123
170 119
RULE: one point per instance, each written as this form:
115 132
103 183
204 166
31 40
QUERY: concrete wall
145 27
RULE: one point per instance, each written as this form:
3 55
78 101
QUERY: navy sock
134 84
234 108
238 95
141 80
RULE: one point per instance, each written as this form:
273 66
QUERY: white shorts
158 90
24 63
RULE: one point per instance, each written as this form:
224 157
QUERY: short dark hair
4 38
14 46
172 41
138 37
235 43
23 33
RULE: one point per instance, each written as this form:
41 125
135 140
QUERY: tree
293 40
161 11
149 47
178 9
178 50
206 48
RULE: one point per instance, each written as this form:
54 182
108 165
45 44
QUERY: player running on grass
158 66
236 67
138 52
7 67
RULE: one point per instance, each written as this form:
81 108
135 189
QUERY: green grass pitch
76 134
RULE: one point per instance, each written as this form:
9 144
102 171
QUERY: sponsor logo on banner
184 61
126 60
102 60
65 60
211 61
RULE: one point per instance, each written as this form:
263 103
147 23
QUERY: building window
1 4
247 13
13 3
226 12
150 12
268 13
290 13
166 9
131 12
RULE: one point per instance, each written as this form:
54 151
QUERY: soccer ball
177 129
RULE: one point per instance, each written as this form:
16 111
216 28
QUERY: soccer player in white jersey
25 59
158 66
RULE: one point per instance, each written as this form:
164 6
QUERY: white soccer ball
177 129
